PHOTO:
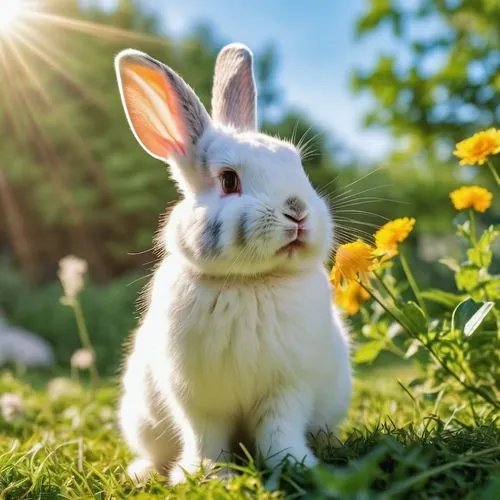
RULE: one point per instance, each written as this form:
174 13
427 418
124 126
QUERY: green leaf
416 317
480 257
492 288
412 349
481 254
491 234
353 482
451 264
492 489
467 278
463 230
446 299
469 314
366 353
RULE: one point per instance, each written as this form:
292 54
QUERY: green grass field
64 444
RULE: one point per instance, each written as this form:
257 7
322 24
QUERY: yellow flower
350 298
477 148
388 237
352 259
474 197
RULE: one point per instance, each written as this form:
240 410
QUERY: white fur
243 341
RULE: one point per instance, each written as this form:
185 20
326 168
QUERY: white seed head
82 359
71 273
11 406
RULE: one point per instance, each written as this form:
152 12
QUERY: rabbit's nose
295 209
299 219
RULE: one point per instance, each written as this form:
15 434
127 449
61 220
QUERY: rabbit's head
248 207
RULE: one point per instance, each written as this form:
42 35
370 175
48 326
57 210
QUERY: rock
18 346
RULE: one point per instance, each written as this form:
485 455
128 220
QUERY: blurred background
380 90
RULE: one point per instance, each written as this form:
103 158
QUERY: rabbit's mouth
292 247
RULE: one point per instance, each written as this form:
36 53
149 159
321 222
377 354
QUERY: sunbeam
96 29
12 13
43 51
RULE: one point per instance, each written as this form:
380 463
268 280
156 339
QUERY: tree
451 86
73 179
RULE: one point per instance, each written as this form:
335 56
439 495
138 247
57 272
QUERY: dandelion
477 148
352 260
107 414
61 387
388 237
11 406
73 415
71 273
82 359
351 298
475 197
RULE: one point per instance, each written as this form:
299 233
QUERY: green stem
470 388
386 288
494 172
431 351
473 233
85 340
412 282
393 315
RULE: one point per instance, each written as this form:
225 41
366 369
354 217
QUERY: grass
395 445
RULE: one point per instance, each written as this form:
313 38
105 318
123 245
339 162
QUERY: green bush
109 311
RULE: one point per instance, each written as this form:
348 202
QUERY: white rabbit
239 341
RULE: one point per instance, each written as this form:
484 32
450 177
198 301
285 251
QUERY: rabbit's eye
230 182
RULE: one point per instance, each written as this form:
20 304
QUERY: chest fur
229 345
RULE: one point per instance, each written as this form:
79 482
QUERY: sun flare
10 13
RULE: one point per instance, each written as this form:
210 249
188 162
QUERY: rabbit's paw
140 470
181 472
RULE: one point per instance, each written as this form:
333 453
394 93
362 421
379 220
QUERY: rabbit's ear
234 95
165 114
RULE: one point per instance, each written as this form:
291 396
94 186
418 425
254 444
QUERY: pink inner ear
153 109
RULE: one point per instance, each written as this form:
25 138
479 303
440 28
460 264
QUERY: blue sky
317 49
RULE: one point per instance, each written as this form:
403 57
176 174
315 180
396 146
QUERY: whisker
364 212
368 200
364 177
299 145
354 231
356 194
146 276
309 154
348 223
141 252
358 222
342 239
294 131
321 191
303 148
